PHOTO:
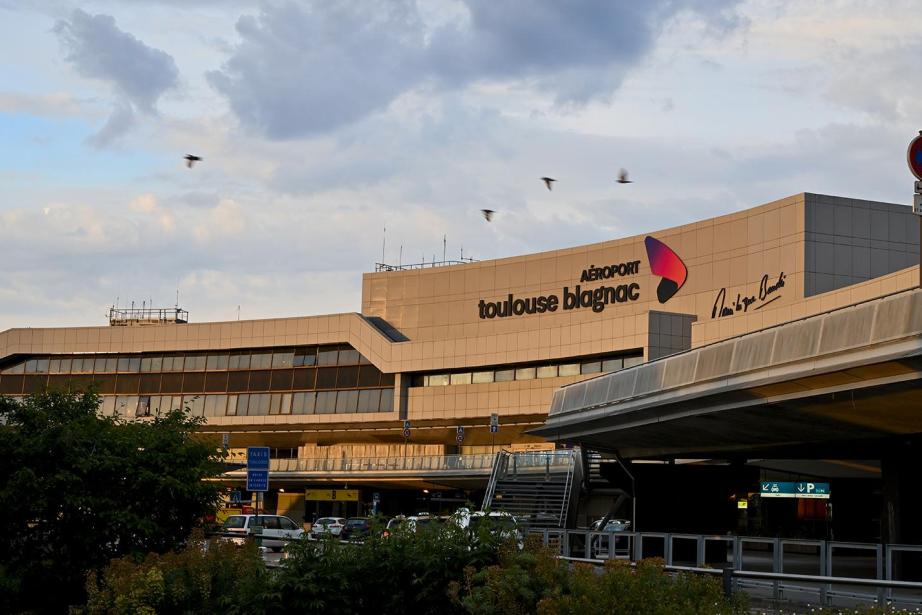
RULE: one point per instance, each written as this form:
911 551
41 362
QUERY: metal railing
844 571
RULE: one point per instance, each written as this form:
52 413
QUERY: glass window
481 377
123 363
387 380
238 381
193 383
525 373
275 402
173 364
303 403
195 363
570 369
437 380
281 379
261 360
369 400
363 360
239 361
305 357
259 381
242 403
99 365
216 362
504 375
259 404
108 405
326 402
303 379
127 383
126 405
66 366
211 404
326 378
283 358
348 356
369 376
171 383
464 378
156 364
42 367
286 404
176 403
327 356
146 364
215 382
196 403
31 366
612 365
143 406
547 371
54 366
16 369
231 405
590 367
111 364
632 361
134 365
347 377
387 400
104 383
346 402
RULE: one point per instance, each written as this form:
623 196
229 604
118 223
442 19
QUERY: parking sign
459 435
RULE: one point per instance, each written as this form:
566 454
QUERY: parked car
327 526
275 529
393 524
613 525
356 528
500 524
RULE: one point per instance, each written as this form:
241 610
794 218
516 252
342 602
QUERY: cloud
137 73
303 71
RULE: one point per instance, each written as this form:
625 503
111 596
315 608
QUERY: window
238 381
259 404
436 380
482 377
193 383
570 369
547 371
195 363
369 376
231 405
173 364
149 383
216 382
369 400
270 522
65 366
215 405
259 381
305 357
286 523
612 365
327 356
127 383
632 361
281 380
99 365
196 403
349 357
282 359
262 360
326 378
464 378
239 361
326 402
123 363
54 366
347 377
111 364
504 375
591 367
216 362
525 373
242 402
387 400
303 403
303 379
346 402
143 406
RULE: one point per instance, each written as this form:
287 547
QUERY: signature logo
769 292
666 264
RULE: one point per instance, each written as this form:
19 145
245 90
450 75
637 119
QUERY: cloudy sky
322 122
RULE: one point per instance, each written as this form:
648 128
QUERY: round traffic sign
914 156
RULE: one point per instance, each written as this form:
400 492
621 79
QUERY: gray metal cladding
649 378
847 329
714 361
797 340
898 316
753 351
680 369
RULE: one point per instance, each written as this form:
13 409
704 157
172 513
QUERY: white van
274 527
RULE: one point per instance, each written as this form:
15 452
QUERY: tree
78 489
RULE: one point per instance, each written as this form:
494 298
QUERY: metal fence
827 573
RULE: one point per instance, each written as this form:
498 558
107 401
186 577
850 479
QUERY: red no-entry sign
914 156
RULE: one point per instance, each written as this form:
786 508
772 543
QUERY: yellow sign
331 495
742 504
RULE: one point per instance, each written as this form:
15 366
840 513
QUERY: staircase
539 489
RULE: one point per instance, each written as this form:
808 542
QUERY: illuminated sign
331 495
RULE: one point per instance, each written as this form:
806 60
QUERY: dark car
357 528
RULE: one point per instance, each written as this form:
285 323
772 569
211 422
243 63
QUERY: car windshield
235 522
357 522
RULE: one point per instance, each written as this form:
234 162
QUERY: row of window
358 376
306 356
508 373
255 404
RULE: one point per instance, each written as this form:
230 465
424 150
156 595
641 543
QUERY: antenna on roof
400 260
238 312
383 242
444 247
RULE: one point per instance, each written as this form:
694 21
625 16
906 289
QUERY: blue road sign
785 489
257 480
235 497
258 458
459 435
494 428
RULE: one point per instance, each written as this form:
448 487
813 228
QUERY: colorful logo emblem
666 264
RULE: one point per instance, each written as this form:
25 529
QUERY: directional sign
914 156
494 423
257 480
783 489
258 468
406 429
235 497
459 435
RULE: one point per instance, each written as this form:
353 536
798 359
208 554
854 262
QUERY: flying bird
549 182
487 214
622 178
191 159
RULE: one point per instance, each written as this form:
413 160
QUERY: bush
224 578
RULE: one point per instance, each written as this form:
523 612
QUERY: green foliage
223 578
78 489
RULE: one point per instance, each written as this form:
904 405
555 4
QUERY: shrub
224 578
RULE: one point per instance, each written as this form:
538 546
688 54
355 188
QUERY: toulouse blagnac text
595 298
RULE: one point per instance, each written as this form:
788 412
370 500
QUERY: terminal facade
391 408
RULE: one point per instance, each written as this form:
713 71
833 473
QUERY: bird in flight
549 182
487 214
622 178
191 159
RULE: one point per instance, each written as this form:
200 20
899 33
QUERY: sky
323 123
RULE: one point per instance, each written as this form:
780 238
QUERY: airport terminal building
392 407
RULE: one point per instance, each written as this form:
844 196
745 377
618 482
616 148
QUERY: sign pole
914 160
